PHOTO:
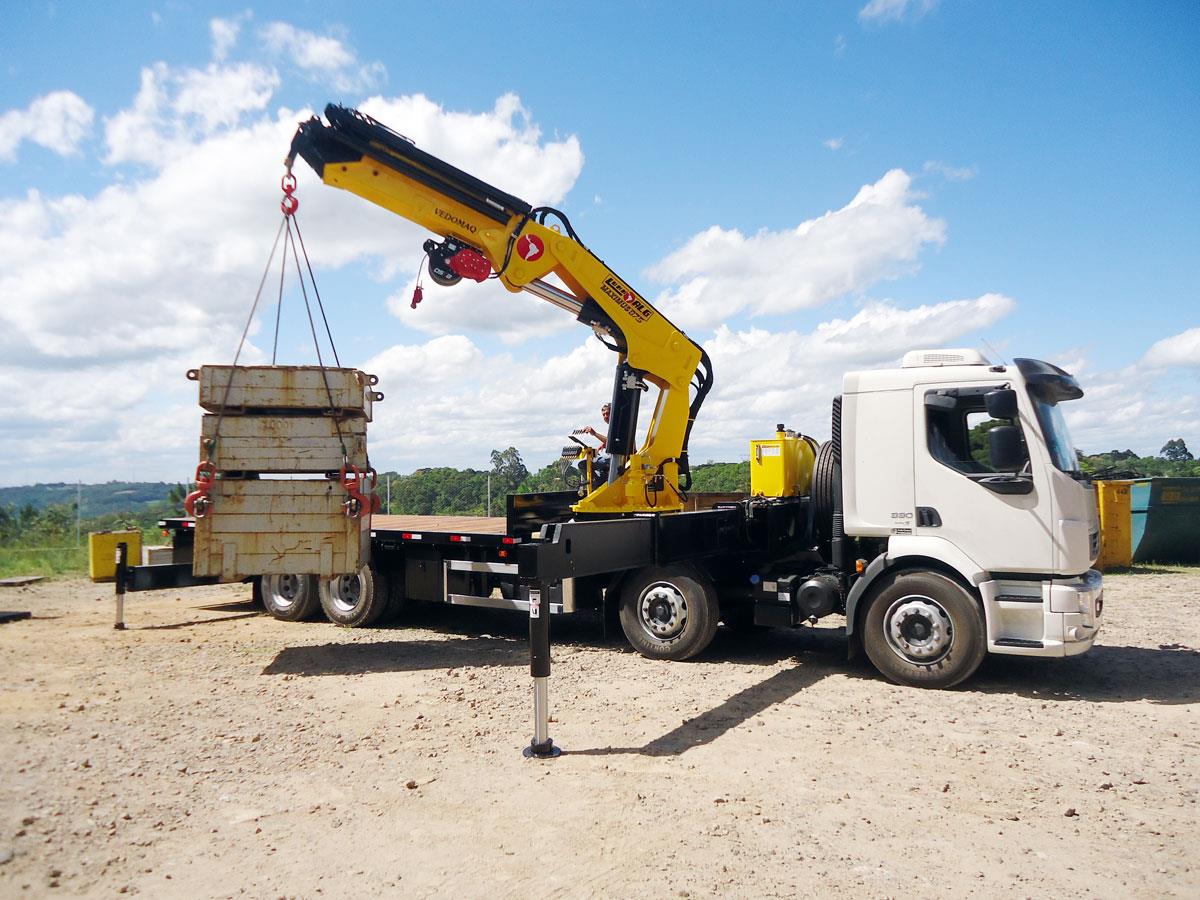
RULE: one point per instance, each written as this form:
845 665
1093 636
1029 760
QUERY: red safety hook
197 502
359 503
289 204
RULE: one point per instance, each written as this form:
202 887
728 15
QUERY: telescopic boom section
488 233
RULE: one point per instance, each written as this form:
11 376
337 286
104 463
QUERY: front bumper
1055 617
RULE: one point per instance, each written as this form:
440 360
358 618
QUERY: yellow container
781 467
1116 525
102 552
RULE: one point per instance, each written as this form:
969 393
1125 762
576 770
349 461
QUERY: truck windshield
1058 438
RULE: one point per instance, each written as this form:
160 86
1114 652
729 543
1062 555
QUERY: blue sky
1030 176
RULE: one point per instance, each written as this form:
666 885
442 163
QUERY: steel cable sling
360 499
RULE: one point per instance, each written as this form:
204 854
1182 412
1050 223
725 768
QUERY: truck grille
1094 544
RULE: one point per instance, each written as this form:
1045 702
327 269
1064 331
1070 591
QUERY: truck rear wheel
923 629
669 612
290 598
354 601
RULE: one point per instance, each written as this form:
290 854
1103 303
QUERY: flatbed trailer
477 560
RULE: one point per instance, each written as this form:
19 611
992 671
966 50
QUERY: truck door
1002 532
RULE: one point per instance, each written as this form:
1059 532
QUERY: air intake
921 359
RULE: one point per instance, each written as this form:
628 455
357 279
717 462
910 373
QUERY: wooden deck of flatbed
441 524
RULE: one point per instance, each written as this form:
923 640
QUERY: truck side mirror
1001 404
1004 447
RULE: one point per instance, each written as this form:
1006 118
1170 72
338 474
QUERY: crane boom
487 233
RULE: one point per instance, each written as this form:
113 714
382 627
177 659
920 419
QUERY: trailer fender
916 552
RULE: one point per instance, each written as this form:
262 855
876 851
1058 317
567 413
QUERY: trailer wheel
354 601
923 629
669 612
290 598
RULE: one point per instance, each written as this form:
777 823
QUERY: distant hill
96 499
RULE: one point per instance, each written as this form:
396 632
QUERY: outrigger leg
541 747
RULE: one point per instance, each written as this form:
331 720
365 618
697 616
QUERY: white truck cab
967 471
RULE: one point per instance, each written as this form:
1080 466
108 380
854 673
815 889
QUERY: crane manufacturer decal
530 247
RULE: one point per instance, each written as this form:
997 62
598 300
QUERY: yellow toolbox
102 552
782 466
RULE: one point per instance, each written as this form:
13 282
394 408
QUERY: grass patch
43 561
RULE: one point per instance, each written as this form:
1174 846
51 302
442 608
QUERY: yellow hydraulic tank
102 552
783 466
1116 525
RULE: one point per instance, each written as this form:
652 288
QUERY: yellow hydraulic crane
487 233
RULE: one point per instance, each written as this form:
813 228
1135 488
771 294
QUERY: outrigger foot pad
541 751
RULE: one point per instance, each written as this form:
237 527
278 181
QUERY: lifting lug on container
198 502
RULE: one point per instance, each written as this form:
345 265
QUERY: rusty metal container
283 444
279 527
286 389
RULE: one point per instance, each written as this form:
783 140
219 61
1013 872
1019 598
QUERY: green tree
1175 451
508 471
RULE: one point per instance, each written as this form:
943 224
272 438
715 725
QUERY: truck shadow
735 711
397 656
1168 674
192 623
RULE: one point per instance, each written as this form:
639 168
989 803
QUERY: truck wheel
354 601
669 612
923 629
290 598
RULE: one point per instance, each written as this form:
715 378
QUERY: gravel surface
212 751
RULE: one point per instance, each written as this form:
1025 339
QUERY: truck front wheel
669 612
923 629
354 601
290 598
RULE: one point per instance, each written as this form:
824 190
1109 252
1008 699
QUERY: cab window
956 427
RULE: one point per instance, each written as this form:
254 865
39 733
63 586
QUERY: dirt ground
212 751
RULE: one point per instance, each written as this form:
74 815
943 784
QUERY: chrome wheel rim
345 592
918 629
662 611
284 590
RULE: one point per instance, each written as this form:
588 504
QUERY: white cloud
322 56
721 272
111 296
749 396
894 10
174 110
58 121
1182 349
481 307
503 146
449 403
950 173
1133 408
225 33
833 143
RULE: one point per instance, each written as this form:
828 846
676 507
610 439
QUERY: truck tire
289 598
669 612
924 630
824 487
354 601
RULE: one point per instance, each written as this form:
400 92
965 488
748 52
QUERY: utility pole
78 507
389 493
489 497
